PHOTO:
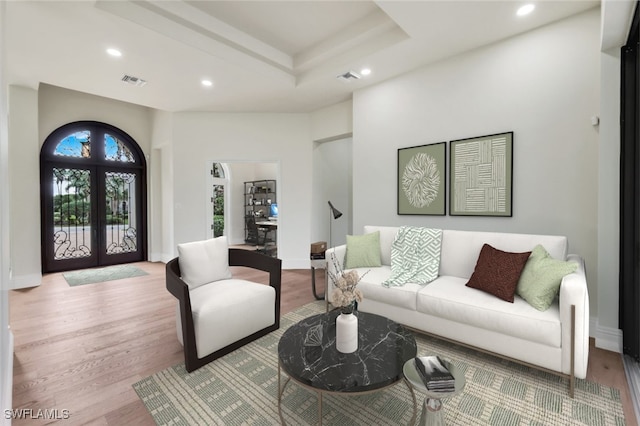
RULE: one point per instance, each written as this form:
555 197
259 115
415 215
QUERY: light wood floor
81 348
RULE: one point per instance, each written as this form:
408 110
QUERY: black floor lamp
333 214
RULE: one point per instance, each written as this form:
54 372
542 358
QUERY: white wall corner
25 281
607 338
160 257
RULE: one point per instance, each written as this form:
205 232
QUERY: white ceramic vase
347 333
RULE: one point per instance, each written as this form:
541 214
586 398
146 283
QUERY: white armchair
216 313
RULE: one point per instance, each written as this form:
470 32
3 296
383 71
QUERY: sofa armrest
333 255
574 292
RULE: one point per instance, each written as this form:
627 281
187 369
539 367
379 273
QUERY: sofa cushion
497 272
371 287
362 251
460 249
448 297
205 261
541 277
220 312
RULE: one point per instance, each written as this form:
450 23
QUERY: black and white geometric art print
481 176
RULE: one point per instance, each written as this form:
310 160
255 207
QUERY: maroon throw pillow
497 272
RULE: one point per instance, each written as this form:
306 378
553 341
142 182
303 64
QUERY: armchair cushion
202 262
228 310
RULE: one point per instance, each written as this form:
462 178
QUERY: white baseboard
7 380
160 257
25 281
607 338
304 263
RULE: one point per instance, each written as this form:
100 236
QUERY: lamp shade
335 212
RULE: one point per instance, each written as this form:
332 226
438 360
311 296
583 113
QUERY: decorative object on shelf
422 171
335 213
481 176
345 296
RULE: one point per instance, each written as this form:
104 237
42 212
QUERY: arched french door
93 197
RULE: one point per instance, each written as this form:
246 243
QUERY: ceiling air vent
349 76
134 81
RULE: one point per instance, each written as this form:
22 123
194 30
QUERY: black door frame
629 285
98 167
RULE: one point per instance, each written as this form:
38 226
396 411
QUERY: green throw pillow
363 251
540 279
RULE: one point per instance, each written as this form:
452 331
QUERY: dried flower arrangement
345 293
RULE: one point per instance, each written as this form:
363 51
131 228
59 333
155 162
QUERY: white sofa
447 308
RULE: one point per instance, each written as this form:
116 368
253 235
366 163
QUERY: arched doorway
93 197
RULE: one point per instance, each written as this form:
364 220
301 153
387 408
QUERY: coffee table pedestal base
432 413
433 408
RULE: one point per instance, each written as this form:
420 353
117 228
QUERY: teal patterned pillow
540 279
363 251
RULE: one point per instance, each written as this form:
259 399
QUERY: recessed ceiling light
114 52
207 83
365 71
526 9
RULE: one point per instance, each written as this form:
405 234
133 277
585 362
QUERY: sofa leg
572 378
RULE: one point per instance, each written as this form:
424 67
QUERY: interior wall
542 85
159 187
271 138
24 187
6 337
332 130
332 181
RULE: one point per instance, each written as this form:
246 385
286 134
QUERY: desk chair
259 234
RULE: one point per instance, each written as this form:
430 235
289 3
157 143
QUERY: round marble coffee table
432 408
307 354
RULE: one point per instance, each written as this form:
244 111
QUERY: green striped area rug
98 275
242 387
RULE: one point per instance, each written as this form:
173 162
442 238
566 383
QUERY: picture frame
481 176
422 174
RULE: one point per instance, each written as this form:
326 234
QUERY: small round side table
432 408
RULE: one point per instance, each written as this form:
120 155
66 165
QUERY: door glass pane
71 213
116 150
218 210
120 221
218 171
77 144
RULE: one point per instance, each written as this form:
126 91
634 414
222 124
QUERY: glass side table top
307 353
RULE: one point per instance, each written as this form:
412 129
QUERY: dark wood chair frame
180 289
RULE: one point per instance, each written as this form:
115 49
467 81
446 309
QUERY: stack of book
434 374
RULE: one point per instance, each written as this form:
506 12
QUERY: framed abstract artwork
422 172
481 176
